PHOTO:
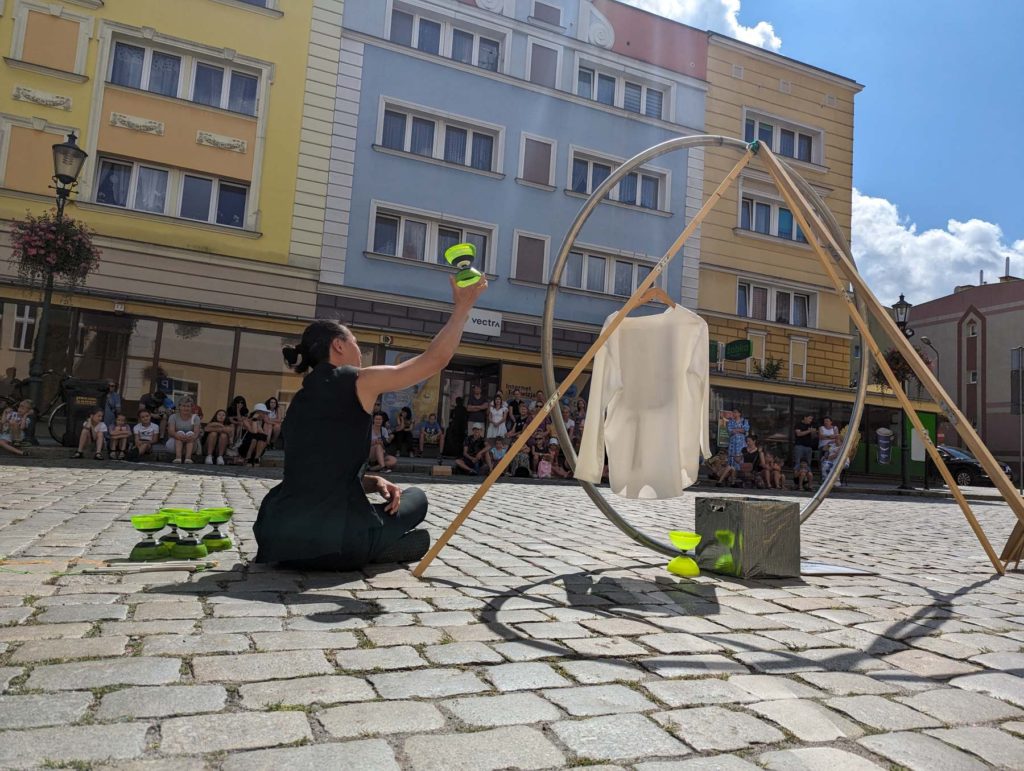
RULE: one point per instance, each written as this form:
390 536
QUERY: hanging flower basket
41 244
900 368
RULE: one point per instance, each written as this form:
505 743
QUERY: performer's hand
391 493
465 297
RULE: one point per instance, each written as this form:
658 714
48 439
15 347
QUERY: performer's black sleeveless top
320 507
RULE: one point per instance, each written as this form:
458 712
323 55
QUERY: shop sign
738 350
483 323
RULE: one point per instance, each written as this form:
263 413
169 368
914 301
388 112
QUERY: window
530 255
757 346
641 189
543 65
445 39
766 303
605 274
134 66
792 141
634 97
972 376
769 218
537 163
972 329
24 327
422 238
547 13
797 359
439 138
134 185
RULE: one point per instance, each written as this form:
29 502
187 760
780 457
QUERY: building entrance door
459 379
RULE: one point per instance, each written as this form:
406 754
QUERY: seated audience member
21 422
401 438
579 409
519 420
385 418
274 420
829 461
497 453
218 436
538 445
6 438
753 463
773 472
257 430
559 465
120 433
147 433
803 476
94 431
237 412
521 463
544 465
570 424
431 433
379 460
475 456
513 402
721 470
183 429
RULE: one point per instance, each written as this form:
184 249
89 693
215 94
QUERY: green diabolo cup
461 256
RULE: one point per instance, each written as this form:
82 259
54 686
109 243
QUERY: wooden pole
632 303
804 214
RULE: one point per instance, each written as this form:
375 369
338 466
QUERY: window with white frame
758 342
605 273
447 139
798 359
145 187
24 327
616 91
762 215
547 13
641 188
444 38
421 238
531 256
537 163
184 76
543 65
793 141
771 303
972 376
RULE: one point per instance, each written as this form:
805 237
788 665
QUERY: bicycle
55 414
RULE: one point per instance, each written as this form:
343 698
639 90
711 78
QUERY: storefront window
196 361
770 420
261 371
138 372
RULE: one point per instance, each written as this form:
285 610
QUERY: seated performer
319 517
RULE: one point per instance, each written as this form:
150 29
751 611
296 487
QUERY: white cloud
717 15
894 258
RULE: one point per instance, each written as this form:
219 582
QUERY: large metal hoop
547 350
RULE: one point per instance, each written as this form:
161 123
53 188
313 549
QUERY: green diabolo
461 256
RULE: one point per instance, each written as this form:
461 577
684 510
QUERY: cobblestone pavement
542 638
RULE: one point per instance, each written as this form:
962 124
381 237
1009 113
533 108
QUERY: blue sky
938 127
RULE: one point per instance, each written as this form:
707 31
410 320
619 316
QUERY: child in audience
94 431
6 437
804 476
257 431
120 433
218 436
379 437
431 433
544 465
559 465
21 421
497 452
146 433
274 420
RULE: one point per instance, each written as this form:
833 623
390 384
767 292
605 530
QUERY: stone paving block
605 646
138 670
815 759
864 641
232 731
291 641
35 711
918 752
617 737
230 625
426 683
507 709
715 728
71 613
992 745
366 659
7 674
904 680
162 701
43 632
477 632
954 706
1013 663
405 605
381 717
17 615
386 636
679 642
76 599
531 650
778 662
619 627
881 714
688 624
929 664
343 756
808 721
700 665
248 609
146 628
1000 685
554 630
848 683
518 747
324 689
844 659
598 671
50 650
251 667
462 653
706 690
447 618
167 611
523 677
1014 726
194 644
747 641
585 701
709 763
70 744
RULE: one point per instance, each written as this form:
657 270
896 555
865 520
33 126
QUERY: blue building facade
490 121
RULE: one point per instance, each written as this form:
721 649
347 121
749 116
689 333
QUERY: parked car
965 468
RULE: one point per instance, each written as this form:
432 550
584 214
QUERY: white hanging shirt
649 406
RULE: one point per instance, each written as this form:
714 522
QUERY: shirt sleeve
604 384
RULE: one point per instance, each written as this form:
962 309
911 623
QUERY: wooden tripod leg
805 214
552 401
1014 549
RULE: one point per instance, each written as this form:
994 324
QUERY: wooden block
748 537
441 471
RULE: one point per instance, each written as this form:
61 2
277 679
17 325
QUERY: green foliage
43 244
770 369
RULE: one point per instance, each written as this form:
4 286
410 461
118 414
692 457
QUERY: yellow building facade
208 129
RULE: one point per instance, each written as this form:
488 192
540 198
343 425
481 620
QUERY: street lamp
901 311
68 159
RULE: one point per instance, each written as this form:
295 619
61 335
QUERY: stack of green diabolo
183 541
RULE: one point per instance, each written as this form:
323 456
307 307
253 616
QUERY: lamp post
68 159
901 311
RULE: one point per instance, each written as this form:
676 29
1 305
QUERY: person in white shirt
146 433
496 415
94 431
182 432
828 434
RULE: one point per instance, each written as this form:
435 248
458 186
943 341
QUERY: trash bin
748 537
83 396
